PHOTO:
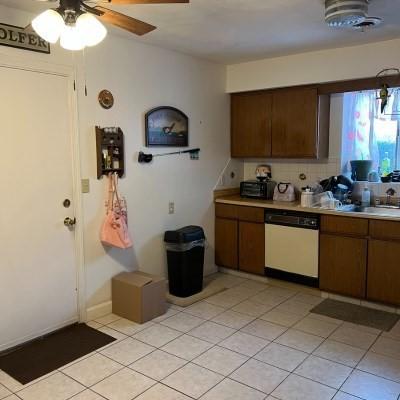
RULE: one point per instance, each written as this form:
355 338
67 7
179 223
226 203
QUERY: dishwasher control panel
292 218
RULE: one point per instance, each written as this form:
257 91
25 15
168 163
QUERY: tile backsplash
378 190
316 171
289 171
231 175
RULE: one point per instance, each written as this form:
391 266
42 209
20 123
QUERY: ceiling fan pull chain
84 70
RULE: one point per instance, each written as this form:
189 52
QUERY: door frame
27 63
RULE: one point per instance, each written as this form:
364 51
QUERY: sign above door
14 36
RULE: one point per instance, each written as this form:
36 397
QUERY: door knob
69 222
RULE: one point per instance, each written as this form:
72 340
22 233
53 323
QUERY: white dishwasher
292 246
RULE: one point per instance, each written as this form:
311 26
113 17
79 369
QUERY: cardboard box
138 296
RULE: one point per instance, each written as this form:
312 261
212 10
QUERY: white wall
318 66
142 77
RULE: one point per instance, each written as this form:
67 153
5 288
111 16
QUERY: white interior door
38 273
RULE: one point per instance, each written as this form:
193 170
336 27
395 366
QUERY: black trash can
185 255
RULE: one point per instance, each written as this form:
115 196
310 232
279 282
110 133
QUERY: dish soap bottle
385 165
366 198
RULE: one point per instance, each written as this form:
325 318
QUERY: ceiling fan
77 22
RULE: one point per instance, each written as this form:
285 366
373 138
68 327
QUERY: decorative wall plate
106 99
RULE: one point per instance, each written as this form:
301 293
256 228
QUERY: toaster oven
258 189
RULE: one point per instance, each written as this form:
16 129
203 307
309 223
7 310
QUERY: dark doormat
41 356
382 320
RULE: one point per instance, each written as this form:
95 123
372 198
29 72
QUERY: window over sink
369 134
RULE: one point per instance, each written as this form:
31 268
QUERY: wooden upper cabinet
300 123
251 124
281 123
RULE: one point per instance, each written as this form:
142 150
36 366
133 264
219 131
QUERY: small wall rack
110 151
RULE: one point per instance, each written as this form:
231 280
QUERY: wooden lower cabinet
347 226
251 247
384 271
351 263
226 239
239 238
343 265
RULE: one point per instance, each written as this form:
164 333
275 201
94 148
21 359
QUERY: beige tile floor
254 341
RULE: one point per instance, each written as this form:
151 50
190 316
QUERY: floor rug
372 318
48 353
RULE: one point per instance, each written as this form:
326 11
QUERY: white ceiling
232 31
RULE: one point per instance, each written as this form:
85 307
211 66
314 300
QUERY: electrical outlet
171 207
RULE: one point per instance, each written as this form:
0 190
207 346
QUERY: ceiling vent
345 13
368 23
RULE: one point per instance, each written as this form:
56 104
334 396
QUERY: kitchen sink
380 210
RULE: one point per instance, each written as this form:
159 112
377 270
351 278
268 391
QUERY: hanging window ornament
385 92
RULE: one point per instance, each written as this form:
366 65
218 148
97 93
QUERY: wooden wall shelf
110 151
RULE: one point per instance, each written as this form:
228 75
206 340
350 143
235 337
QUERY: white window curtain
367 134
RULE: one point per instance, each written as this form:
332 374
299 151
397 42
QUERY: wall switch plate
171 207
85 183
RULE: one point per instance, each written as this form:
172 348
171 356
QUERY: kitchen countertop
379 213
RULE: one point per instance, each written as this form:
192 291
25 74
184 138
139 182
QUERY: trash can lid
184 235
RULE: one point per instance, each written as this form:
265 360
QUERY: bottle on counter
385 165
366 197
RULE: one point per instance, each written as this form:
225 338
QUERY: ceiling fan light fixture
49 25
71 38
92 30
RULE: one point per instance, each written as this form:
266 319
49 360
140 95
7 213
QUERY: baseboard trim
100 310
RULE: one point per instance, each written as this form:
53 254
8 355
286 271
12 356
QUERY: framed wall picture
167 126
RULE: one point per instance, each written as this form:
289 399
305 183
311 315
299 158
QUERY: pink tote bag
114 231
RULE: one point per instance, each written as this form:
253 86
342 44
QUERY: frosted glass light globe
91 29
71 38
49 25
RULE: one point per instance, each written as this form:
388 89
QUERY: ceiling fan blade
147 1
123 21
